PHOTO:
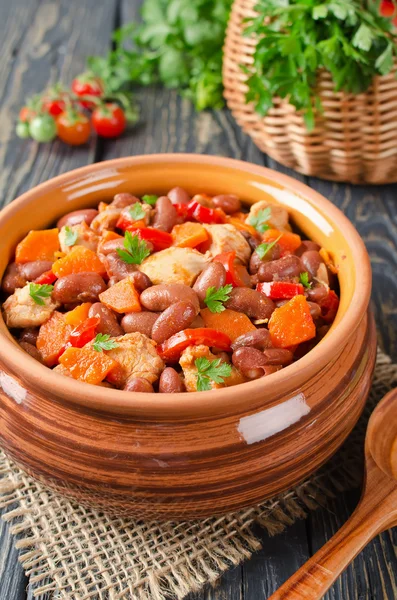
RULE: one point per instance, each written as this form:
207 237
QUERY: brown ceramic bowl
188 455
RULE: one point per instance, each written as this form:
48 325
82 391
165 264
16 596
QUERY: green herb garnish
304 280
215 296
104 342
136 250
70 236
211 370
150 199
39 292
259 221
264 248
136 211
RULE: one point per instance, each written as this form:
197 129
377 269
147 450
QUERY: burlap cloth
81 553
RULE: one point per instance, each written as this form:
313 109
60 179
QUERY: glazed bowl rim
213 402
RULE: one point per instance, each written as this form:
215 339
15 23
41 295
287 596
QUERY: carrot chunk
79 260
122 297
53 337
288 242
189 235
230 322
38 245
292 323
79 314
87 365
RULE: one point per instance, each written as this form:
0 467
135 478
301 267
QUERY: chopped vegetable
104 342
87 365
79 314
71 236
288 242
79 260
47 277
39 292
264 248
329 306
189 235
37 245
172 348
53 338
214 297
150 199
211 370
135 250
280 290
292 323
202 214
122 297
84 333
304 280
160 239
260 220
230 322
234 272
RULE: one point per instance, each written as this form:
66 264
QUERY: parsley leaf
304 280
150 199
214 297
264 248
259 220
70 236
136 250
136 211
211 370
38 292
103 342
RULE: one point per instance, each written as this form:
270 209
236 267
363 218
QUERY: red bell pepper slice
159 239
329 306
84 333
203 214
181 210
126 223
236 274
171 349
280 290
48 277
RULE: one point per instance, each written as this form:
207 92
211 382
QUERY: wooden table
47 40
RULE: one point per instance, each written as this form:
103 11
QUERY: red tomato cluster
388 8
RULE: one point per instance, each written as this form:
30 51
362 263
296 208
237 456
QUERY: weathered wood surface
43 41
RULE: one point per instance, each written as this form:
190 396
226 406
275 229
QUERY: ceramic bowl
188 455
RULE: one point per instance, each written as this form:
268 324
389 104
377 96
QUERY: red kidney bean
321 332
284 268
124 199
260 339
249 361
12 279
305 246
29 335
116 267
270 369
253 242
141 321
214 275
175 318
229 203
198 322
255 262
278 356
252 303
159 297
34 269
178 196
171 382
32 351
315 310
317 292
77 216
165 215
243 274
138 384
78 287
112 246
108 323
311 261
140 280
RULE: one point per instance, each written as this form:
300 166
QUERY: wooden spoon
376 511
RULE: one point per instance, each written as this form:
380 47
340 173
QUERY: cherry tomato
43 128
387 8
109 120
54 107
87 85
84 333
73 128
236 274
172 348
22 129
280 290
26 114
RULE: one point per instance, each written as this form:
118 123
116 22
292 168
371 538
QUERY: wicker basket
355 138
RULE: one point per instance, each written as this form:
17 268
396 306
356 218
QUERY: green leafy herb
304 280
348 38
215 296
150 199
264 248
39 292
259 221
104 342
70 236
136 211
136 250
211 370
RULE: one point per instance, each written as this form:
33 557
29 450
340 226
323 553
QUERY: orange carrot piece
110 235
292 323
79 314
87 365
230 322
38 245
122 297
53 337
189 235
288 242
242 226
79 260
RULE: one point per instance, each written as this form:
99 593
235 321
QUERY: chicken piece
106 219
85 237
226 238
187 360
137 356
147 209
174 265
278 215
20 310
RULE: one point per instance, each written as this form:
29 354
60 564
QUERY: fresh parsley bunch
348 38
179 43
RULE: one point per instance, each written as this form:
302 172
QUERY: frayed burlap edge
83 554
